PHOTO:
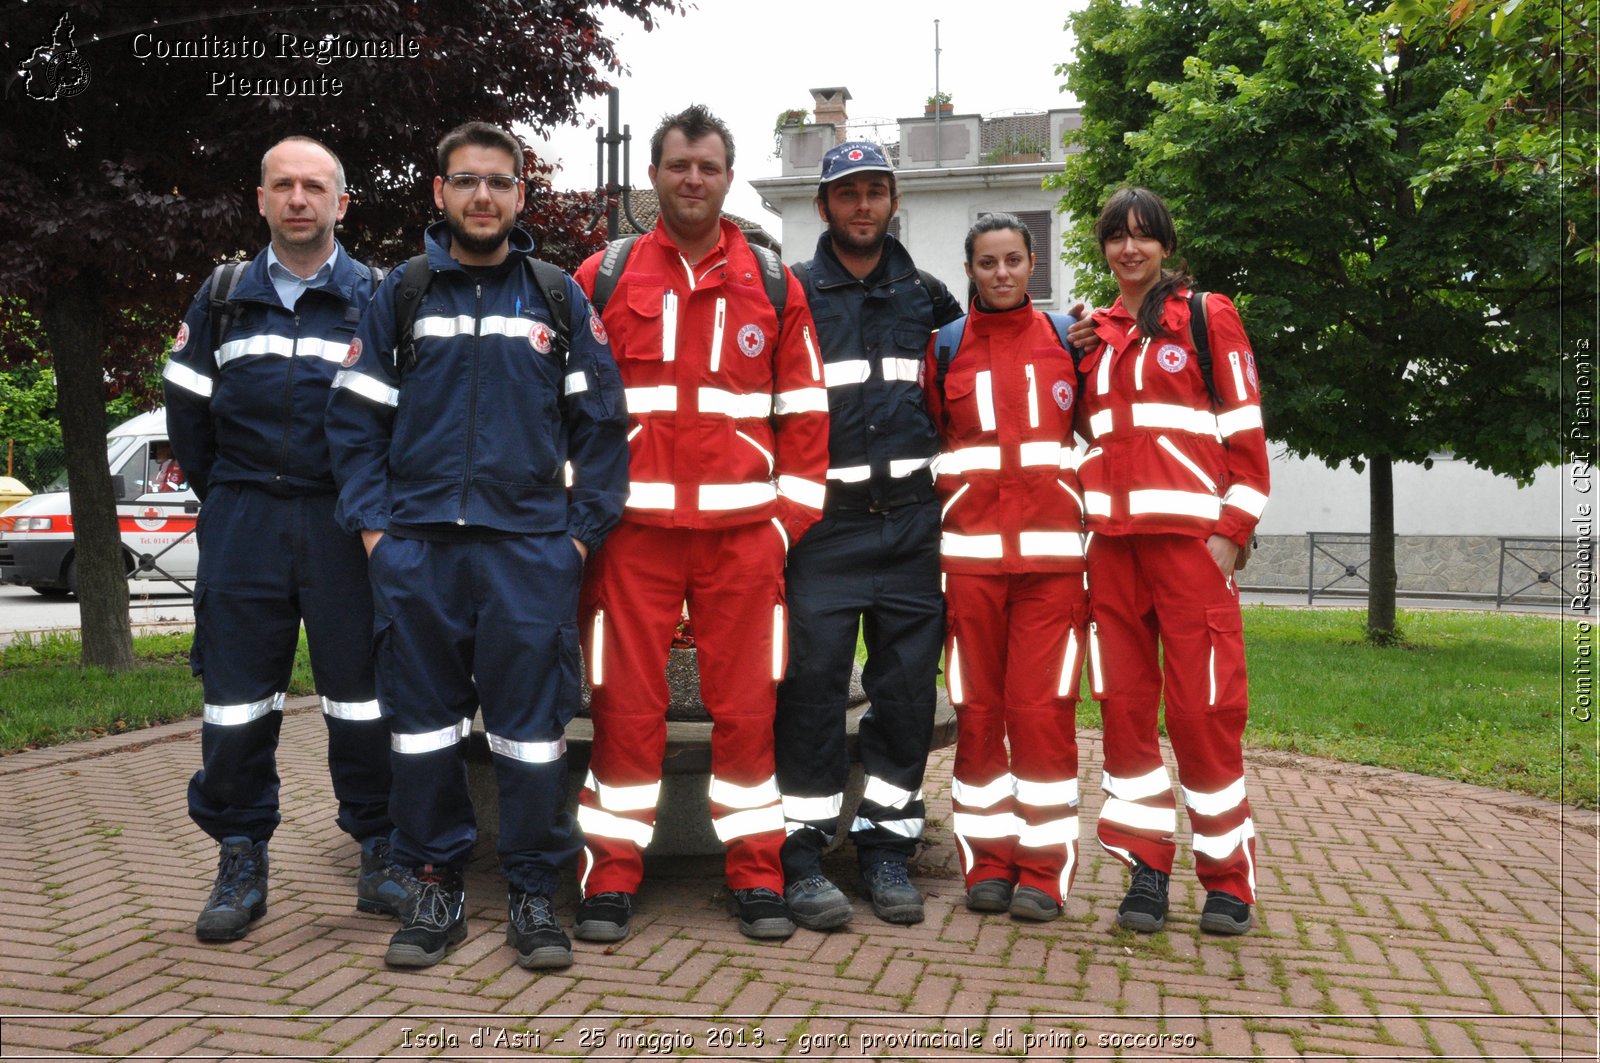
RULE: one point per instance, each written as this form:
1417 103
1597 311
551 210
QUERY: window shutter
1040 288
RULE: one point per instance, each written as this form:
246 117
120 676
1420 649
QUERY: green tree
1391 321
128 172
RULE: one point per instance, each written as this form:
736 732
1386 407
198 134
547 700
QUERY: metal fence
35 466
1529 570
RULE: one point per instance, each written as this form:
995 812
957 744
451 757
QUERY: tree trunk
75 326
1381 627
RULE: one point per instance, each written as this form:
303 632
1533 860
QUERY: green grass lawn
1474 696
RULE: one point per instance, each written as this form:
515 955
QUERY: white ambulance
156 512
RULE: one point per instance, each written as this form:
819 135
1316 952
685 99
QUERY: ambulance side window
134 473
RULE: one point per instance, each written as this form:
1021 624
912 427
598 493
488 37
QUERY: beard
842 236
477 243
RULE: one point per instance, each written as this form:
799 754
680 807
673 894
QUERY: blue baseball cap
853 156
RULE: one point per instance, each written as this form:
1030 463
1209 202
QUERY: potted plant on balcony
940 102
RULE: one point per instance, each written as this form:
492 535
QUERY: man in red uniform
729 456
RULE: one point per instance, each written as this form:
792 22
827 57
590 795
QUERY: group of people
475 476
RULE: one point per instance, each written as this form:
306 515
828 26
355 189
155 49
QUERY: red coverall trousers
1167 590
632 601
1014 650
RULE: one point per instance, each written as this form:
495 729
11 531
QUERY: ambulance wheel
72 577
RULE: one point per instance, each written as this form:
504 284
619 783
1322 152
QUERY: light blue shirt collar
288 285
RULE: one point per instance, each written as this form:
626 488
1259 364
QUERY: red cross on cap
855 154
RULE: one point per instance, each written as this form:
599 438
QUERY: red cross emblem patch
352 355
1172 358
752 341
541 337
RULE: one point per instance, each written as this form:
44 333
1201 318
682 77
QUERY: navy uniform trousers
464 624
267 563
876 573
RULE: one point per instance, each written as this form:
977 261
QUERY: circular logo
597 328
856 155
152 519
1250 370
182 339
752 341
1061 391
1172 358
541 336
352 355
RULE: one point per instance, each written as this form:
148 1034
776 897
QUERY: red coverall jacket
1011 497
727 431
1161 459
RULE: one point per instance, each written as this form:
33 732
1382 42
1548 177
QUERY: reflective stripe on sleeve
370 388
1238 376
351 710
577 383
1241 420
1248 499
800 400
187 379
430 741
235 715
803 491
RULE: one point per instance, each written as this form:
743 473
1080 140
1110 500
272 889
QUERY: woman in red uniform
1012 555
1175 479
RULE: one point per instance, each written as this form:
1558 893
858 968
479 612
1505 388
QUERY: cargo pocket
570 662
197 656
1226 684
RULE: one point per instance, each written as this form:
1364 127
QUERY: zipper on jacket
288 403
472 401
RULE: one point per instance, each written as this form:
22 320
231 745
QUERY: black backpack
225 279
418 276
615 260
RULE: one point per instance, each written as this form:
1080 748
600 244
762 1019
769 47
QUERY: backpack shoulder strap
773 278
945 346
612 263
1061 322
802 273
224 281
1201 338
414 284
552 282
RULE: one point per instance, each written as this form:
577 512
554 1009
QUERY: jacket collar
256 284
828 272
437 243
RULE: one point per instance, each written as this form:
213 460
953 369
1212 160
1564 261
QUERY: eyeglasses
468 182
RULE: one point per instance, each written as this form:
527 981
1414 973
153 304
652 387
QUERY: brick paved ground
1401 918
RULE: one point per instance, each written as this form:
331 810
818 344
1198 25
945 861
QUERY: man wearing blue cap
873 556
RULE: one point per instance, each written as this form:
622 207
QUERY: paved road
151 604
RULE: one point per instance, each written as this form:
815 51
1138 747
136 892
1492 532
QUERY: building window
894 228
1041 283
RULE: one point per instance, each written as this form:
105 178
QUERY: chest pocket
647 332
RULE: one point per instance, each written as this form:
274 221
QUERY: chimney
828 106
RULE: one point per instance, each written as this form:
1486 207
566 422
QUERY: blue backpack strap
946 344
1061 322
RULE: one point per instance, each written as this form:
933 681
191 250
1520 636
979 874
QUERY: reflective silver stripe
1181 503
983 547
1188 463
528 752
968 459
669 322
718 322
1050 544
1033 399
651 496
1241 420
765 453
1097 503
778 524
732 795
1097 681
811 350
187 379
568 477
839 374
635 798
1218 846
1068 685
729 404
1182 418
597 650
1211 676
851 474
900 369
599 823
1077 498
1238 376
1136 787
986 796
466 325
327 350
810 809
1102 380
905 828
1045 794
801 400
887 794
662 398
1100 423
1062 831
746 823
351 710
259 345
1139 817
1138 366
370 388
1248 499
899 468
1041 452
430 741
1071 456
736 496
803 491
995 825
953 680
635 430
235 715
1217 802
577 383
953 500
779 641
985 396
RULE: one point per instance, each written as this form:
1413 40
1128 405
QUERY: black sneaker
817 904
532 931
1145 907
761 914
604 917
894 898
1034 905
378 889
989 895
1224 914
433 917
240 896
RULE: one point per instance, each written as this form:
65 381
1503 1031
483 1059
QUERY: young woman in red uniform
1175 480
1012 556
